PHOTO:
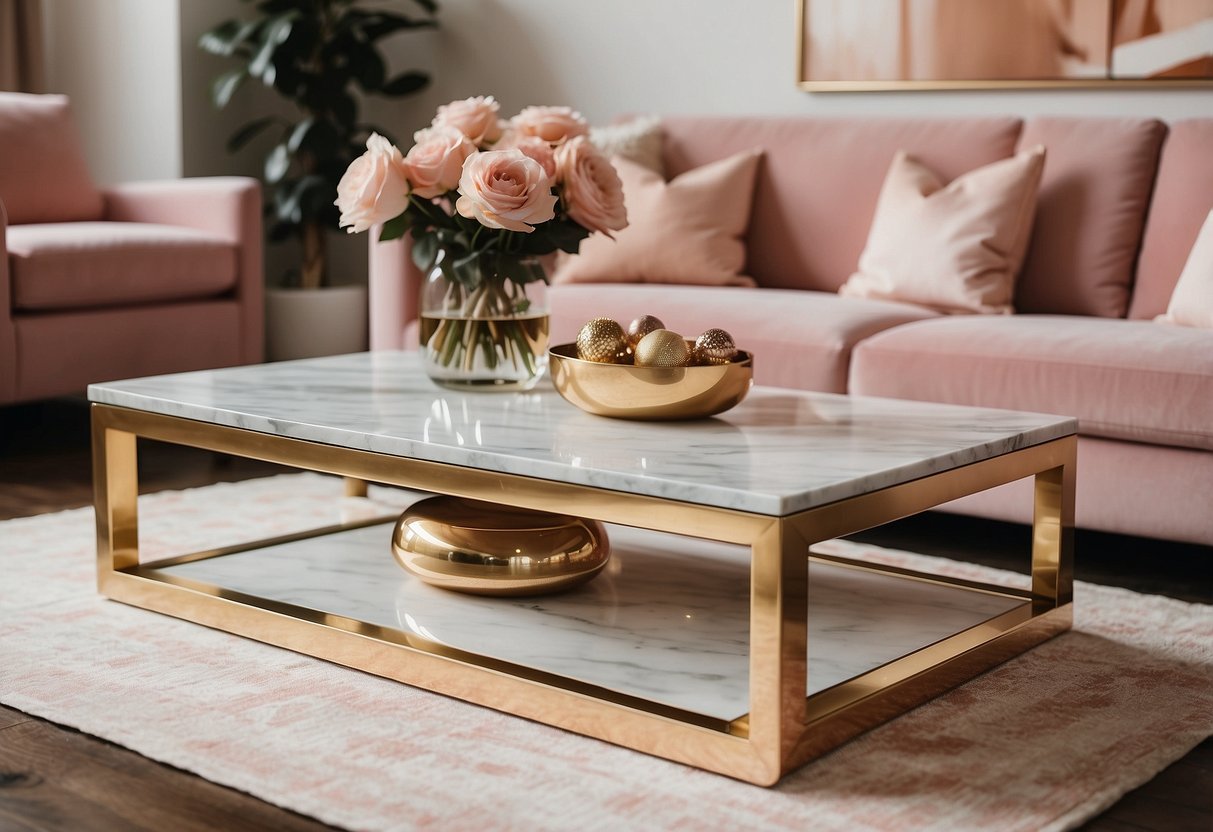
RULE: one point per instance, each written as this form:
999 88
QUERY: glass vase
484 322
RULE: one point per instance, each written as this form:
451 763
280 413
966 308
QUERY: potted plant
319 55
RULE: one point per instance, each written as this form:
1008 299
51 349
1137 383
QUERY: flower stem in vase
490 336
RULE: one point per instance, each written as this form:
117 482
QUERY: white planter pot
305 323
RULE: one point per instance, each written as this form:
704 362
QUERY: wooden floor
54 778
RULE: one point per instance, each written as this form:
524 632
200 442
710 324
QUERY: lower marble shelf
666 621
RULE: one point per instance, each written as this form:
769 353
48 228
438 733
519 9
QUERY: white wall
205 129
139 82
120 63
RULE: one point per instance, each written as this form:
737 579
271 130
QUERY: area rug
1041 742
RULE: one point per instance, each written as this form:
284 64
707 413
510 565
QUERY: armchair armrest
221 205
8 332
226 206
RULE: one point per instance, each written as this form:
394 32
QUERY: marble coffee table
714 637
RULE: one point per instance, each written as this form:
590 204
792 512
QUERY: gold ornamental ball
714 347
601 340
641 327
662 348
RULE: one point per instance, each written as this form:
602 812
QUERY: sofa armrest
8 332
395 287
226 206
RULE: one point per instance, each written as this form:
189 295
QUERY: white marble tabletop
778 452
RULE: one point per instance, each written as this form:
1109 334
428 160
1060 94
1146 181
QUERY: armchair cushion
93 264
43 175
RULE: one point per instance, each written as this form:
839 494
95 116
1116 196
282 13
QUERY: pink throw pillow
687 230
43 175
955 247
1192 300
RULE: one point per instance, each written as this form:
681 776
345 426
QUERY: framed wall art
959 44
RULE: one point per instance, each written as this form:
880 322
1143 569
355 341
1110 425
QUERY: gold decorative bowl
487 549
624 391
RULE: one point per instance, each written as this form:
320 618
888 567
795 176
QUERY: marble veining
778 452
668 620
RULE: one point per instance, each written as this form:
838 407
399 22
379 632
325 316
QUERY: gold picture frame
893 45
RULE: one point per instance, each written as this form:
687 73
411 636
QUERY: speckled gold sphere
714 347
602 340
662 348
641 327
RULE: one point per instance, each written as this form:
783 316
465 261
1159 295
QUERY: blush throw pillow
43 174
953 248
688 230
1192 299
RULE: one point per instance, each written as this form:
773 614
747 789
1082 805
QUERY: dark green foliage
317 54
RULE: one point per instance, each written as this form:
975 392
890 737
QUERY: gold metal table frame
784 728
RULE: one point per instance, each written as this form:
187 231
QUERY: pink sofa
105 283
1120 205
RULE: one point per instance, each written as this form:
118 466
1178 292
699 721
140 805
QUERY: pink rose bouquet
475 186
483 199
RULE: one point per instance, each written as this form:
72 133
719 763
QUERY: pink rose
505 189
475 118
435 164
592 194
374 188
552 124
536 148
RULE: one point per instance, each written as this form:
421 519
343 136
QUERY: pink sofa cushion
954 247
799 339
90 264
1132 380
820 178
43 175
1183 195
1089 215
687 230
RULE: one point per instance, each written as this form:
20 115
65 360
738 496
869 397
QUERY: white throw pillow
638 140
1192 300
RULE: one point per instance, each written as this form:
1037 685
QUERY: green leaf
277 164
272 38
230 37
394 229
425 251
430 6
314 195
565 236
271 7
368 68
405 84
378 26
225 86
299 136
246 133
344 109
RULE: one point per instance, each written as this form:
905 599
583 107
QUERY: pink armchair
98 284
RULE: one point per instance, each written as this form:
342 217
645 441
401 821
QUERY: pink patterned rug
1042 742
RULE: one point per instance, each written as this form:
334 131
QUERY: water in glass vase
509 353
